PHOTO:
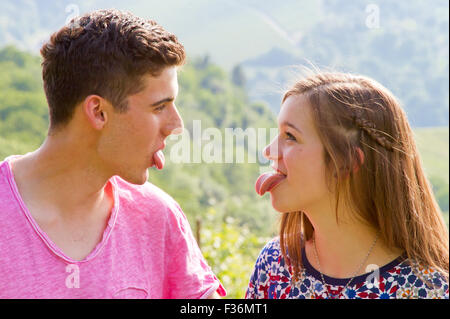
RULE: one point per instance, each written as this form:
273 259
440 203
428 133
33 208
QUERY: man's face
130 140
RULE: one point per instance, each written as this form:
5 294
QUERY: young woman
358 216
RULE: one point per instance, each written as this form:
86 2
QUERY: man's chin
136 179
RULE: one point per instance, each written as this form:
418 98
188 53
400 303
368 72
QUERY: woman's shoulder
417 281
271 252
266 266
268 260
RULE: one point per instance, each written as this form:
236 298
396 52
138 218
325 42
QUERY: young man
78 217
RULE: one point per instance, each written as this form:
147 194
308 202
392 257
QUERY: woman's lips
268 181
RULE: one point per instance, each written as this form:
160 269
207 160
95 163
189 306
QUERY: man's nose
175 123
272 151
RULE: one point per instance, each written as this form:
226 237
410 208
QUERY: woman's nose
272 151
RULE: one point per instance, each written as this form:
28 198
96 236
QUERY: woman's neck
345 248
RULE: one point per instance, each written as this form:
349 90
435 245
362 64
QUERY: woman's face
298 153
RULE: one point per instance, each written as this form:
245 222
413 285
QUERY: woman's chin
281 205
286 202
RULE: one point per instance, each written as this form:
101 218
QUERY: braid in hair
369 128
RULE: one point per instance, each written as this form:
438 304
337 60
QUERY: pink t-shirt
147 250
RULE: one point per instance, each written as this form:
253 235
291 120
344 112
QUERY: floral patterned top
271 279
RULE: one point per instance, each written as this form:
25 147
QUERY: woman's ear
356 166
360 160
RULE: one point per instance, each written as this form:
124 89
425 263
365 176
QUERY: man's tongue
267 181
158 159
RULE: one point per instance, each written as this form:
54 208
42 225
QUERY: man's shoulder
146 196
5 178
147 205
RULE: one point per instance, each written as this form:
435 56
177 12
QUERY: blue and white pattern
272 279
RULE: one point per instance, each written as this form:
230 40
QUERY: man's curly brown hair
104 52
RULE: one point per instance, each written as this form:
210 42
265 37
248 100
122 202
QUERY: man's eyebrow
167 99
286 123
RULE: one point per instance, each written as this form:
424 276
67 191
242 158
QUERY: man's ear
360 161
94 108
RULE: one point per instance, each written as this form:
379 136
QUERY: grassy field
433 144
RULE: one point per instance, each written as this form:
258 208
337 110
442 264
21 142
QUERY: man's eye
160 108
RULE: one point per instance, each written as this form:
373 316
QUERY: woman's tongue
158 159
267 181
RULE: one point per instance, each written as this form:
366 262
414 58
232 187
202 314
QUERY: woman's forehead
295 109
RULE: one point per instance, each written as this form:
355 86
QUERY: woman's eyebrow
286 123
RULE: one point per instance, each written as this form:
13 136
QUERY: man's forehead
162 86
168 76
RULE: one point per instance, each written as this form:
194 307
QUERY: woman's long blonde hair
390 190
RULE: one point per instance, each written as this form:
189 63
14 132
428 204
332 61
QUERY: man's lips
158 158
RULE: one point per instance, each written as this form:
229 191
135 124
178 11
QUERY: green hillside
407 51
433 144
402 44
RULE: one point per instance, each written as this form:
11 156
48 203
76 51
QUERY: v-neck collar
44 237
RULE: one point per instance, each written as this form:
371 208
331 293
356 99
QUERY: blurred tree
238 76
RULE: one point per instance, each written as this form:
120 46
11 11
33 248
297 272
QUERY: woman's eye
289 136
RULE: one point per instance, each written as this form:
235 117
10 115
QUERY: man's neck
61 178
